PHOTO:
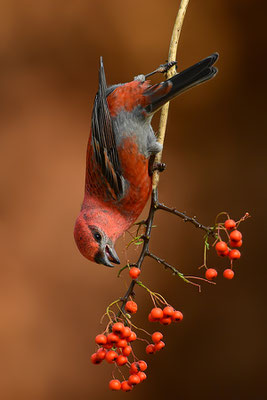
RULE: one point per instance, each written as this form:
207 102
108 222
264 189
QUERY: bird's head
94 240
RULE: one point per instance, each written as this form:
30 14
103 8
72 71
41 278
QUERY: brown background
52 298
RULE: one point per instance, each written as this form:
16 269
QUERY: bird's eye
97 237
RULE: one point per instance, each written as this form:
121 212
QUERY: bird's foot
165 67
159 166
162 68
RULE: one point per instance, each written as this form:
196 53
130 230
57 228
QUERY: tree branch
208 229
161 135
171 72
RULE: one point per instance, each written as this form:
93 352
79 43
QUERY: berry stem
247 215
108 311
122 269
221 213
153 295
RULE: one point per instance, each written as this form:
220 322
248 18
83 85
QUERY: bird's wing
103 139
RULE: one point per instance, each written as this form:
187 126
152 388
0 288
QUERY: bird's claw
159 166
165 67
161 69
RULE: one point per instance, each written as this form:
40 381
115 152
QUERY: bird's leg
158 166
155 166
161 69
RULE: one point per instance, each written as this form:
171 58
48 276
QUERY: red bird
118 179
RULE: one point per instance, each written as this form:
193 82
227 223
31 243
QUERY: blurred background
51 298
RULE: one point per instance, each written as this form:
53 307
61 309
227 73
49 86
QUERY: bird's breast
135 171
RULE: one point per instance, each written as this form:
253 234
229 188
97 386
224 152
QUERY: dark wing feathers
103 138
192 76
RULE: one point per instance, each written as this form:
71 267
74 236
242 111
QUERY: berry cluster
227 248
115 348
164 316
114 345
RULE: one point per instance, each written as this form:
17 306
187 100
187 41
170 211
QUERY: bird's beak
109 254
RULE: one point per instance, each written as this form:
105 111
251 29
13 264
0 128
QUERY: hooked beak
109 254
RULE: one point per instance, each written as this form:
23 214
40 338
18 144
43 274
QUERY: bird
118 178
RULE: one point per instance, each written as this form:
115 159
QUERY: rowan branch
210 230
155 205
144 252
167 265
170 73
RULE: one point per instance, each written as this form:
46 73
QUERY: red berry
159 345
122 343
228 273
118 328
134 272
168 311
141 375
111 356
101 353
156 313
134 380
131 307
236 244
221 247
126 351
236 236
135 367
229 224
132 337
224 253
234 254
107 346
151 319
121 360
95 359
177 316
114 384
211 273
126 387
126 332
112 338
165 321
101 339
150 349
142 365
157 336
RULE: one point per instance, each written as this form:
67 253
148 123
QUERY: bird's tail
161 93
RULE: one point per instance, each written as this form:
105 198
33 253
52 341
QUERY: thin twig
166 265
173 269
171 72
208 229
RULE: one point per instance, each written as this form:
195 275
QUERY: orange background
51 297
